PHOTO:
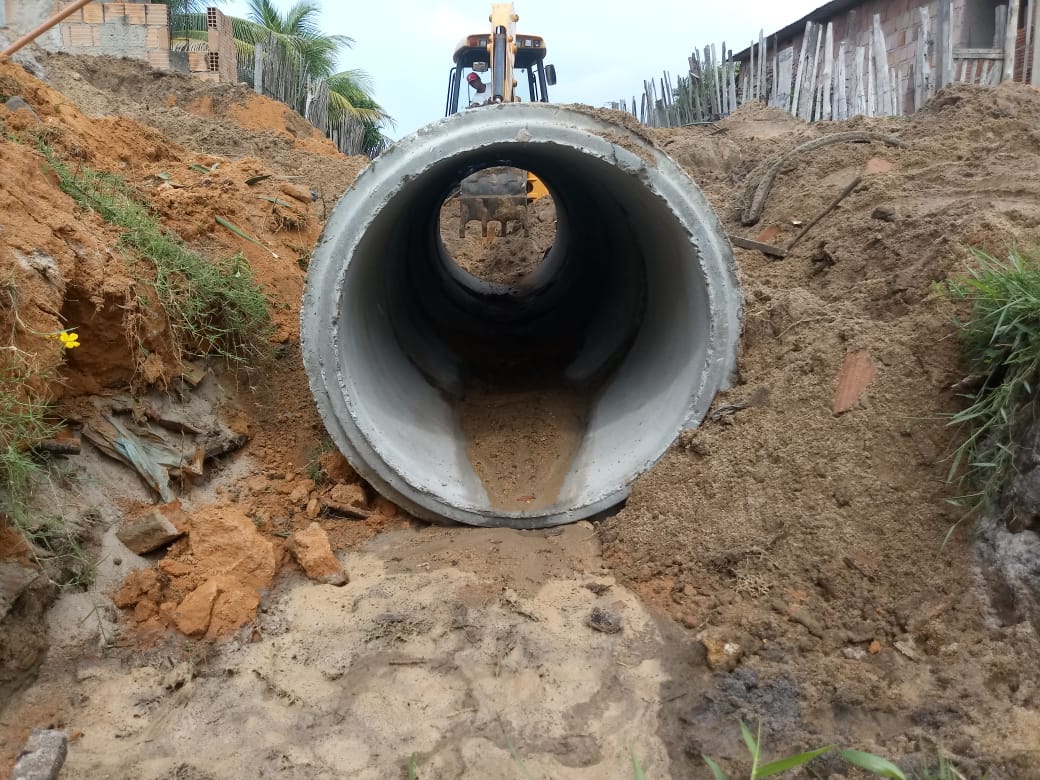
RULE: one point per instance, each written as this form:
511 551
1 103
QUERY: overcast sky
602 51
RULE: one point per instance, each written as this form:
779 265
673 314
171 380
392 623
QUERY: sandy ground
782 565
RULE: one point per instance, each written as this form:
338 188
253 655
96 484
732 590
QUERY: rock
14 579
193 613
141 584
224 540
174 568
313 552
43 755
16 103
301 491
349 495
145 534
854 653
337 468
313 508
875 647
604 621
298 191
723 654
219 605
884 213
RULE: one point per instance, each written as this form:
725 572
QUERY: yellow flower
69 340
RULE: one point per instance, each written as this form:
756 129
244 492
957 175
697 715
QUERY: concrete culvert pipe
533 404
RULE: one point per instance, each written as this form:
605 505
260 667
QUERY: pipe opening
538 401
499 225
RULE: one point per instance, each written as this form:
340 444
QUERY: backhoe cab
488 63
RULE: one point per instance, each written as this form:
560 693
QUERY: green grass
214 307
23 425
1001 347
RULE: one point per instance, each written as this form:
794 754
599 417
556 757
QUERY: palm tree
288 57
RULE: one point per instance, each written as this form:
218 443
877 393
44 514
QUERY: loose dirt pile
792 558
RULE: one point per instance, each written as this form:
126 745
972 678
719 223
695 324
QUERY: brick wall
136 30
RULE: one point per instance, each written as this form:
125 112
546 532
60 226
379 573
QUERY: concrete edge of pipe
525 126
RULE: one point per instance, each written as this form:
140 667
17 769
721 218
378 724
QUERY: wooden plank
828 77
800 72
774 98
859 92
758 246
713 67
884 83
1010 39
1029 39
1034 78
999 28
986 65
978 54
841 103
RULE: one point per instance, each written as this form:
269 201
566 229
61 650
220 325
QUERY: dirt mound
808 536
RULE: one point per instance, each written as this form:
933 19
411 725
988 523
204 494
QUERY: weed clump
214 307
1001 347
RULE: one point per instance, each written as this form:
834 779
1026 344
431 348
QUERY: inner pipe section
534 404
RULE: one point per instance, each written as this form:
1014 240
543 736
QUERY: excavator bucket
493 195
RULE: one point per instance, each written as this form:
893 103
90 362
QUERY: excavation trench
536 403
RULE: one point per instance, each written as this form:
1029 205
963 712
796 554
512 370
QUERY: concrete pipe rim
510 134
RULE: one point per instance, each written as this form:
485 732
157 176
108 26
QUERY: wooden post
944 47
871 105
732 83
800 73
763 56
1029 39
884 83
811 93
785 68
921 59
828 57
1010 39
841 102
258 68
1034 78
859 96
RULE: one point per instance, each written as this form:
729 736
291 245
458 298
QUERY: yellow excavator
498 194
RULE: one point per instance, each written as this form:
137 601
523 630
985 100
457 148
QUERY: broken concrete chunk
43 755
312 550
14 579
145 534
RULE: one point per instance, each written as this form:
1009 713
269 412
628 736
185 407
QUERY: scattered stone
875 647
145 534
336 467
43 755
297 191
16 103
313 552
723 655
226 541
218 606
301 491
604 621
854 653
598 587
907 648
141 584
14 579
313 508
174 568
349 495
193 613
884 213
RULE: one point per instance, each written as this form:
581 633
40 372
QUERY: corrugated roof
824 13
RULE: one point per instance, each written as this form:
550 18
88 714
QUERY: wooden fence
826 80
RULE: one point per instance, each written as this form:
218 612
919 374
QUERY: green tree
294 62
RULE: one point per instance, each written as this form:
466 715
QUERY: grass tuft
214 307
1001 347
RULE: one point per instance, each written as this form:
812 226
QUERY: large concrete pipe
540 403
